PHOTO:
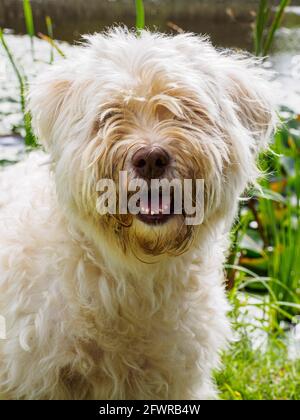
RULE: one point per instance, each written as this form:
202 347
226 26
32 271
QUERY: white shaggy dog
117 306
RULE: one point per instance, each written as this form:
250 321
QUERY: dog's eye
184 119
103 118
180 119
163 113
108 116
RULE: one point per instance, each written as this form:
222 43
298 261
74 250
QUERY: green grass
265 263
29 23
266 25
30 140
265 257
256 375
140 15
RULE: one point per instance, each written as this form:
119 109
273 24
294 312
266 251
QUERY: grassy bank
250 374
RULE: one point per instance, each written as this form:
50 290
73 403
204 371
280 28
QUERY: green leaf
270 195
28 18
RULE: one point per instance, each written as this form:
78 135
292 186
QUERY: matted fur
107 307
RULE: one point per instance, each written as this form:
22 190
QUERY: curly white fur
96 308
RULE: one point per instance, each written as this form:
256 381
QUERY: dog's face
156 107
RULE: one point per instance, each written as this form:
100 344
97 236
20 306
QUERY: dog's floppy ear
46 100
252 97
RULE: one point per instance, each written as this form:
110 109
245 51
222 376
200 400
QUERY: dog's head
158 107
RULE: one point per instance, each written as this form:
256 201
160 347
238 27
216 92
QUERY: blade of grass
50 34
264 36
10 57
275 25
261 18
52 43
29 22
140 15
29 136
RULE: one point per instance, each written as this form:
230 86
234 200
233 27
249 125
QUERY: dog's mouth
157 211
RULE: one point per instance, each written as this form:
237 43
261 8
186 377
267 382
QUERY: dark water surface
229 22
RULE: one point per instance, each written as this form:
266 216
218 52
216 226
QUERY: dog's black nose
151 162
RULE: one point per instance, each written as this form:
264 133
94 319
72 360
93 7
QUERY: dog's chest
134 341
